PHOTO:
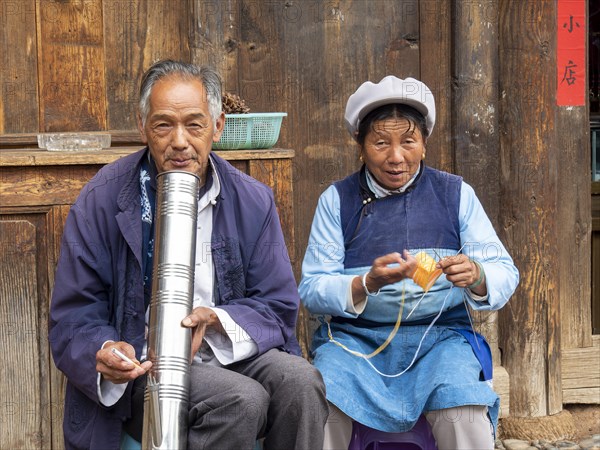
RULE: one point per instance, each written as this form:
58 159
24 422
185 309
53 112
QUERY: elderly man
247 380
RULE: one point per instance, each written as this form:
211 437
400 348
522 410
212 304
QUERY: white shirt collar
381 192
210 196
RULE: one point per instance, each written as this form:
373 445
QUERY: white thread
352 352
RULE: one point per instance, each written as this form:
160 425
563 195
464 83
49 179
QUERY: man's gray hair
208 76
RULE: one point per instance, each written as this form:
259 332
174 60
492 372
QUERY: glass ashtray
73 142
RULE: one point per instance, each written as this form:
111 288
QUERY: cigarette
125 358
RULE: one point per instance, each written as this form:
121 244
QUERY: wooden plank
528 200
475 100
46 185
55 184
475 139
18 67
403 46
55 224
581 367
36 157
307 59
436 38
278 175
596 277
502 388
71 65
583 395
22 424
138 33
214 35
486 323
574 228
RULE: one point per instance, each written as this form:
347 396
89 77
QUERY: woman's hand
381 274
116 370
200 320
462 272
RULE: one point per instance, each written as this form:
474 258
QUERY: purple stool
418 438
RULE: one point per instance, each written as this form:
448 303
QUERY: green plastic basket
254 130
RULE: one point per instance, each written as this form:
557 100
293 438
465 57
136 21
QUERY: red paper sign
570 53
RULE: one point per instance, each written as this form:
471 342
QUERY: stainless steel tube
167 391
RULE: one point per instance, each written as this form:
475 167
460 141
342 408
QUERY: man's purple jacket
98 291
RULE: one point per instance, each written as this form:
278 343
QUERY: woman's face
392 151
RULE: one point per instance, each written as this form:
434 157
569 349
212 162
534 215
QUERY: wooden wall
76 65
71 65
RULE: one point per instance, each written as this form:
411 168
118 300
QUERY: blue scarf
148 203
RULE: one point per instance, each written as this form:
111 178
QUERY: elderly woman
398 254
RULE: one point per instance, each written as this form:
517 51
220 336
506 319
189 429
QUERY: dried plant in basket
234 104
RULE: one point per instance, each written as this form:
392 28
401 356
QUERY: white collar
380 191
212 194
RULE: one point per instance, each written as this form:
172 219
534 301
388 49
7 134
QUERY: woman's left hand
462 271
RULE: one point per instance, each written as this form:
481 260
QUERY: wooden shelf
39 157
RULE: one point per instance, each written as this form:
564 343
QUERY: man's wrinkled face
179 129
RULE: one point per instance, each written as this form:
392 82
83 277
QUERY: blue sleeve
79 309
481 243
268 308
324 286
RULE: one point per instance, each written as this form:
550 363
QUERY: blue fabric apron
447 373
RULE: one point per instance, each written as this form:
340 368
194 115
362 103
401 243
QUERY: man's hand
200 320
116 370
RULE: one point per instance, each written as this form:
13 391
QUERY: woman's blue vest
425 216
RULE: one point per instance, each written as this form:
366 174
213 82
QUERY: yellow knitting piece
426 273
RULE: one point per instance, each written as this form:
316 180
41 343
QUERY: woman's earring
423 157
360 157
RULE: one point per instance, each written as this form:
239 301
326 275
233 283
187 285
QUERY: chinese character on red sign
570 53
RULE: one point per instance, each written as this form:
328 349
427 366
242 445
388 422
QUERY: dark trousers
277 397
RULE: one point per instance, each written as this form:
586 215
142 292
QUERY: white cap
389 90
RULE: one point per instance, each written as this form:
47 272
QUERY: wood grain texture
138 33
581 373
587 395
436 53
214 35
502 388
530 325
22 424
55 220
596 269
43 185
306 59
475 100
575 228
36 157
475 137
19 107
71 79
51 178
277 174
581 366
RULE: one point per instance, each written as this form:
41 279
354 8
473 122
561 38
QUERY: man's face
179 130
